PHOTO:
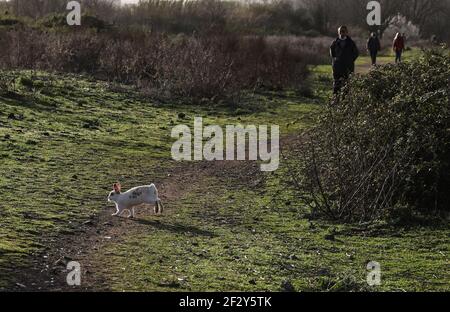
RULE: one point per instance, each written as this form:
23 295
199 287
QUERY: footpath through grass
65 139
260 239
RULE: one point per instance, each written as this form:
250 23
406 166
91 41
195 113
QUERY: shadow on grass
20 100
396 228
176 228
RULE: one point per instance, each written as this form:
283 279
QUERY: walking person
398 46
344 53
373 46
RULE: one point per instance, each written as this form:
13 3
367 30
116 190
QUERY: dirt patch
365 68
48 271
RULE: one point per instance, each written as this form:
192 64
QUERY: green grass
65 139
258 239
389 56
226 235
78 136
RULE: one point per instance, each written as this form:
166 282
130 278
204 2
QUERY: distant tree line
431 16
293 17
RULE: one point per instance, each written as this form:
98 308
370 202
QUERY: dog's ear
117 187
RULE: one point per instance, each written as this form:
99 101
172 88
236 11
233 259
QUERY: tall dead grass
213 67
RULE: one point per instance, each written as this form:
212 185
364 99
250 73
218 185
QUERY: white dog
147 194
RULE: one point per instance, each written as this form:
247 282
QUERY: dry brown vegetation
212 67
196 49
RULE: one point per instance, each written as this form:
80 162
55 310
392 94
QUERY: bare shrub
313 50
381 150
213 67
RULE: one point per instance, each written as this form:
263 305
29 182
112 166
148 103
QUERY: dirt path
366 67
48 272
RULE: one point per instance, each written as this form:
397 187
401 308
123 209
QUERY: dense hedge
382 148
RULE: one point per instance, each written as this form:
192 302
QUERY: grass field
65 139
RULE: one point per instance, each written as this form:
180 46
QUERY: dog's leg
161 206
129 213
117 211
121 211
133 213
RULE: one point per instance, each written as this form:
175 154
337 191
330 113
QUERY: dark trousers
339 80
373 56
398 56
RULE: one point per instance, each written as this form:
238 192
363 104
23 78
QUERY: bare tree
420 12
37 8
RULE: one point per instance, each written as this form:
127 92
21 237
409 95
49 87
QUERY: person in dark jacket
344 53
373 46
